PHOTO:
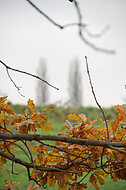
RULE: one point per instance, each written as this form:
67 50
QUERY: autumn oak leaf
31 106
74 117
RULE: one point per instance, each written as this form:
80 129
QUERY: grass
58 117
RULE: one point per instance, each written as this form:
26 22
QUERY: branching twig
38 167
24 72
104 30
81 34
12 156
80 25
96 98
18 88
62 150
110 171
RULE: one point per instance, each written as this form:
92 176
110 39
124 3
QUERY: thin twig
18 88
26 73
103 31
114 171
5 129
62 150
117 149
79 24
81 34
96 98
46 16
12 156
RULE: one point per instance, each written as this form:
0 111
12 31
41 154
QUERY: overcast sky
26 36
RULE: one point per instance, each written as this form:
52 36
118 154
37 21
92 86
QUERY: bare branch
104 30
96 98
45 15
26 73
30 165
117 149
80 25
36 137
82 35
18 88
99 49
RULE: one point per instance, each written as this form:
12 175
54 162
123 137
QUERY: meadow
57 116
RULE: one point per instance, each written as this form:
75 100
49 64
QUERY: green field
58 117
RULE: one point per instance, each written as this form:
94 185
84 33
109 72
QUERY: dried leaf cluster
62 162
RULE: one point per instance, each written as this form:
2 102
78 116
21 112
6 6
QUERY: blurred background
27 40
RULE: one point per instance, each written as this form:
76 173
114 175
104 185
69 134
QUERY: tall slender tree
42 90
75 84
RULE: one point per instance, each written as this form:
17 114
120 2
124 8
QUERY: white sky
26 36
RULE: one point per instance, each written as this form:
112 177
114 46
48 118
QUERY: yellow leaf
40 117
46 110
46 126
105 176
3 99
94 121
74 117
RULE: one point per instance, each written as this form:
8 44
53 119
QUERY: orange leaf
99 173
33 127
101 180
65 127
8 181
51 181
46 126
92 179
30 187
34 149
92 122
18 182
31 106
120 109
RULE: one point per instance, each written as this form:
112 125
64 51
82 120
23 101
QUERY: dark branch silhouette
96 98
81 26
36 137
26 73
